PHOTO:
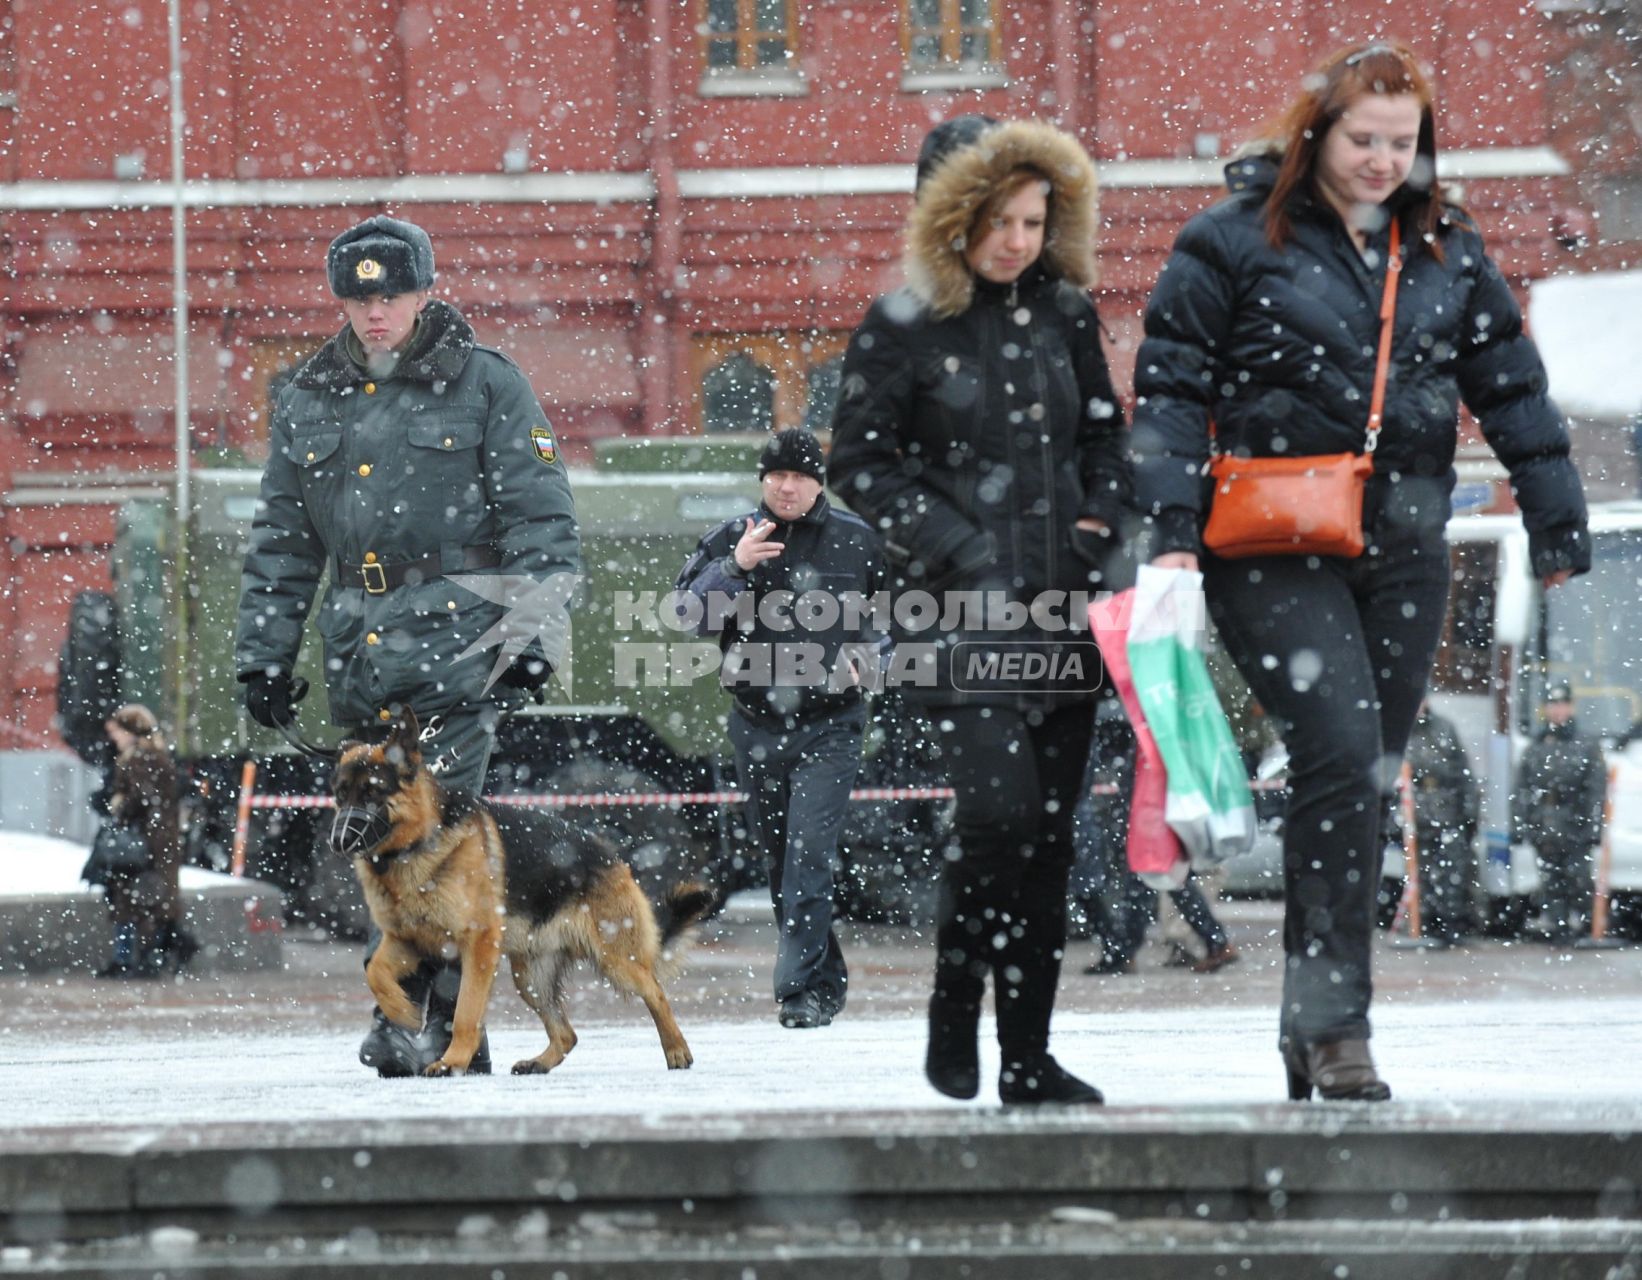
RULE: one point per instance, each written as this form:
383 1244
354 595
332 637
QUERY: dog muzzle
357 832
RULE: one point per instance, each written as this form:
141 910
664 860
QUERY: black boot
173 948
952 1063
441 1023
391 1050
1026 975
1043 1081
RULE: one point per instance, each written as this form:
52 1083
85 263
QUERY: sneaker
803 1010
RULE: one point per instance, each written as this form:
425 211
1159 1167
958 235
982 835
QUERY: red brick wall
312 89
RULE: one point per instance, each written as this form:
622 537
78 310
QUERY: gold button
370 388
370 557
449 442
373 638
364 468
450 604
384 714
310 457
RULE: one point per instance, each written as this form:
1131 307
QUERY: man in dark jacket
1557 807
1445 825
403 456
786 592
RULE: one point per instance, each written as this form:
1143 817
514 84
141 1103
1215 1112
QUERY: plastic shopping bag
1208 804
1154 853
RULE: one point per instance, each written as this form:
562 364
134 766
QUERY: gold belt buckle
374 586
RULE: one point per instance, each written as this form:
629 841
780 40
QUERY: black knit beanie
381 255
793 450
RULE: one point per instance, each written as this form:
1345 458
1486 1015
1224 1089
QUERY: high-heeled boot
1339 1070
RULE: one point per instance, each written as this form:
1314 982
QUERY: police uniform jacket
386 486
1561 787
1445 792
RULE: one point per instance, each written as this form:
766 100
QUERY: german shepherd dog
446 876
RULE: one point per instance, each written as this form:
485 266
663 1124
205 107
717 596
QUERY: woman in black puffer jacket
979 432
1266 321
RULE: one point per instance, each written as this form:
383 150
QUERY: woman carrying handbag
1315 333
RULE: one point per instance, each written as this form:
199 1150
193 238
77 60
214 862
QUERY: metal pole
179 277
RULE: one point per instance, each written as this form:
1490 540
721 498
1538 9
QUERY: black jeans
798 785
1002 893
1339 651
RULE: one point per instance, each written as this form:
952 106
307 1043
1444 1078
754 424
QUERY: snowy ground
1541 1056
1539 1031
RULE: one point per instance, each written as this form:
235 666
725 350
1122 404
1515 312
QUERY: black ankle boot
952 1064
1043 1081
441 1022
1340 1071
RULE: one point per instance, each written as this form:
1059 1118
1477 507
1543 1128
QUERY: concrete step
1177 1192
1068 1246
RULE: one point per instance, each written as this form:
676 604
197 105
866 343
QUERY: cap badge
368 269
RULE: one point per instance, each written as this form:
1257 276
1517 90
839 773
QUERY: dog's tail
681 907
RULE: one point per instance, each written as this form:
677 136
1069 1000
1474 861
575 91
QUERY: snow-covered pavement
1543 1057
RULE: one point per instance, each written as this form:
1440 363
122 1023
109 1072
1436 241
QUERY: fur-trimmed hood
438 353
936 270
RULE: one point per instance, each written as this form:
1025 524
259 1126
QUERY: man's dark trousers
798 783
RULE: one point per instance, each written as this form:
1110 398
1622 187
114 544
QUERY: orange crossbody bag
1302 505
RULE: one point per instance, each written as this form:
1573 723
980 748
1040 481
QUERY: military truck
636 714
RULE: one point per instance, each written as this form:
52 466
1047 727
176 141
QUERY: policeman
406 459
1557 808
1445 825
796 675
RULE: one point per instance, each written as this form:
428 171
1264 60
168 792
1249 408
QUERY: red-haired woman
1265 321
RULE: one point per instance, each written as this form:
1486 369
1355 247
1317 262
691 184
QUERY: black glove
529 674
270 695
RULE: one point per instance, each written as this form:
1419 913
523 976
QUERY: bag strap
1388 312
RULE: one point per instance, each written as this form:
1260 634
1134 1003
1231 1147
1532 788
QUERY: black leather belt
377 579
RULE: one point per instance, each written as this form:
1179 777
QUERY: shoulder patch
541 440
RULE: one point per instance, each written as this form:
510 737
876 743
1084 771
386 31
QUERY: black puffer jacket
977 422
1278 346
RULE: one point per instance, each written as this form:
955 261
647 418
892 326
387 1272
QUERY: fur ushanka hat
381 255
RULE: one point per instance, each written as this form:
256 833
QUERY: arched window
738 394
822 382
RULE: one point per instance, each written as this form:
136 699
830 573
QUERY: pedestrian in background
1265 323
1561 791
1445 826
150 935
798 713
1117 903
978 430
401 453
